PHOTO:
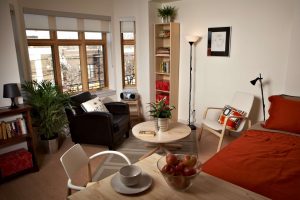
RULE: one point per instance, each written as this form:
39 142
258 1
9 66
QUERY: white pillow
94 105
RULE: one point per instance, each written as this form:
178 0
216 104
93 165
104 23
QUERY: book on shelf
3 127
1 135
23 126
8 130
12 128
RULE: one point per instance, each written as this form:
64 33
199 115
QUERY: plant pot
156 127
163 124
166 20
50 145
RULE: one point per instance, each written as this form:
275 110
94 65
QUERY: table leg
177 146
150 153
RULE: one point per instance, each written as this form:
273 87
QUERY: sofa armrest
101 116
118 108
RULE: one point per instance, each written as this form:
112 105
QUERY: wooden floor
50 181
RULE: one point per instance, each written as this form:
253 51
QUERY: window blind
50 22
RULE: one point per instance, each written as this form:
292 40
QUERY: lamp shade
11 90
192 38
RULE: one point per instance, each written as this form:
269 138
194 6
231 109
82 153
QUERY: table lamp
11 90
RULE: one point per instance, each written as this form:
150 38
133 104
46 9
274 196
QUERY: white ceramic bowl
130 175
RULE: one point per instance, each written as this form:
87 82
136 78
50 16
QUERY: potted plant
161 113
47 112
167 13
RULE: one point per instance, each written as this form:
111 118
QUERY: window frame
123 43
81 42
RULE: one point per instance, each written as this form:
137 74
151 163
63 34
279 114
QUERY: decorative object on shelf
253 82
164 34
11 90
218 43
47 112
167 14
191 39
162 112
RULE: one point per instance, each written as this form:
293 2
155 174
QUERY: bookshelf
166 55
26 136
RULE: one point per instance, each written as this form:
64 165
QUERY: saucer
144 184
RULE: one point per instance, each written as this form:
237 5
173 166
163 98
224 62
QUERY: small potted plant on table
161 113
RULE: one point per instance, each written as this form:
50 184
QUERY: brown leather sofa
101 128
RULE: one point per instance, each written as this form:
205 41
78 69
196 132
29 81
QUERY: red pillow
284 114
232 123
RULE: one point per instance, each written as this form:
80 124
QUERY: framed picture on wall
218 43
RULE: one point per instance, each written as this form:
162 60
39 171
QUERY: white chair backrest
242 101
73 160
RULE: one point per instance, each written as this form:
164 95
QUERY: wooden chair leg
200 134
221 139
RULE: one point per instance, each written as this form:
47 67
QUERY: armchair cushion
94 105
232 123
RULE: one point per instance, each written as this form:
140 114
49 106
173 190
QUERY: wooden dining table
204 187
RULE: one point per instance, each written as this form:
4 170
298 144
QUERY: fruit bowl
179 170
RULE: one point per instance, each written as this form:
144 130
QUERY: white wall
292 82
261 33
8 58
138 9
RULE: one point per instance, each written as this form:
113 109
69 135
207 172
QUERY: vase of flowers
161 113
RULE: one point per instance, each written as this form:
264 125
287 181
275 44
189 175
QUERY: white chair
241 101
75 159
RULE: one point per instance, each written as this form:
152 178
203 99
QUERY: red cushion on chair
232 123
284 114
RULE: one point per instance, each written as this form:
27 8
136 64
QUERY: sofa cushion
232 123
94 105
78 99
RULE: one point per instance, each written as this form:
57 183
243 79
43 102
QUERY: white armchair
242 101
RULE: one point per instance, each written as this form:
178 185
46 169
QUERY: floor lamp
253 82
191 40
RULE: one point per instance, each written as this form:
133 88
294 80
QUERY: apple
189 171
171 159
189 161
168 169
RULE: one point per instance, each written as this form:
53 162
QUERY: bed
266 158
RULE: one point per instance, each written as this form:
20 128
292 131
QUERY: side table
176 131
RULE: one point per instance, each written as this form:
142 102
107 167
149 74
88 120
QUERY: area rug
134 149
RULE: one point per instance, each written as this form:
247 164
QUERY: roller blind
127 27
46 22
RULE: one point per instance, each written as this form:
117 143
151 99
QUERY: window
41 63
69 51
75 61
128 53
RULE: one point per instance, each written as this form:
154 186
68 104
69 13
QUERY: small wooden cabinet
29 138
166 47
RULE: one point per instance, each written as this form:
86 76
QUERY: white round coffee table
146 131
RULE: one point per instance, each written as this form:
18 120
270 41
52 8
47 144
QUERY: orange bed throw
263 162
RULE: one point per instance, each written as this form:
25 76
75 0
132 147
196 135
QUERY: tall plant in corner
47 107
